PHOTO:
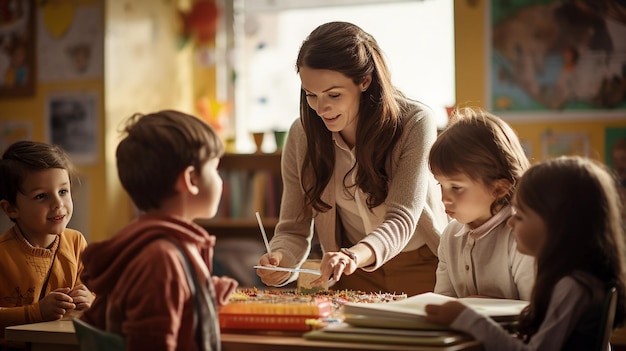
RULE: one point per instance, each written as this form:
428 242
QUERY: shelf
251 162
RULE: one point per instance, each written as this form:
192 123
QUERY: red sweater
141 287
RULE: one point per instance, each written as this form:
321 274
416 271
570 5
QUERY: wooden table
59 336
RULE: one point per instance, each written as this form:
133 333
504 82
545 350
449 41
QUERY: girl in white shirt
477 161
567 216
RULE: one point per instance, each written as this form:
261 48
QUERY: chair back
605 327
91 338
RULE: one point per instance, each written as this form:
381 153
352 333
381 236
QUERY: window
416 36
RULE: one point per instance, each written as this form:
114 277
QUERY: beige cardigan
414 206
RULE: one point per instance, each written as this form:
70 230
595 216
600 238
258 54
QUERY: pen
267 244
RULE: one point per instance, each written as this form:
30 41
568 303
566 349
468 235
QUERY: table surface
50 335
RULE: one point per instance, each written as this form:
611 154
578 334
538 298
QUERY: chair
91 338
605 327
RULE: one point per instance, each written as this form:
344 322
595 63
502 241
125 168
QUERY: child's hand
224 286
444 314
54 305
82 297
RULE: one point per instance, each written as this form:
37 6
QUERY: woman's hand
272 278
444 314
334 264
82 297
54 305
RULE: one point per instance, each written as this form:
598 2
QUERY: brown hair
345 48
576 199
25 157
157 148
483 147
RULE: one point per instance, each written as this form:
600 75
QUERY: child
567 216
41 267
168 165
477 161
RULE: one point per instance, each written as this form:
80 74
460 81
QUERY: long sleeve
24 271
293 232
566 313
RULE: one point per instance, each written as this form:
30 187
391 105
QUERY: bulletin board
556 59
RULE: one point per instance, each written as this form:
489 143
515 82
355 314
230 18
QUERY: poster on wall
71 122
17 49
549 56
70 41
12 131
555 144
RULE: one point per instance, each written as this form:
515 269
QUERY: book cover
346 332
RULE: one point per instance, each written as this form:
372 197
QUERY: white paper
293 270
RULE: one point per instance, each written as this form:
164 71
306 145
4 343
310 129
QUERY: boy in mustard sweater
41 266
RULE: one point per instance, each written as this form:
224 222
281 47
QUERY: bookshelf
251 183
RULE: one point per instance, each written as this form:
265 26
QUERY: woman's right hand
268 277
54 305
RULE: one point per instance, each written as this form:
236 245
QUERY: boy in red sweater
167 163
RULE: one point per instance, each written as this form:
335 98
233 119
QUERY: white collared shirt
484 261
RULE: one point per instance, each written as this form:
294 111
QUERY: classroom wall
32 110
471 85
146 70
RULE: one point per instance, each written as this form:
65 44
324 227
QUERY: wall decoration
70 41
72 123
199 23
555 144
17 49
549 56
12 131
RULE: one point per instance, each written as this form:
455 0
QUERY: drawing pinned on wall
554 144
70 41
17 49
72 123
12 131
543 59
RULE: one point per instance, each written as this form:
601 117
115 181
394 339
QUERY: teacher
355 173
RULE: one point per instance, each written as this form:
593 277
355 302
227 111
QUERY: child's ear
501 187
9 209
187 181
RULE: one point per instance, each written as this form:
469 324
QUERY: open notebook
409 313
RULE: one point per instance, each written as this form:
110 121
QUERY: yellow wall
470 50
146 75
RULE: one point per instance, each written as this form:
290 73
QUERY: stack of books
404 322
